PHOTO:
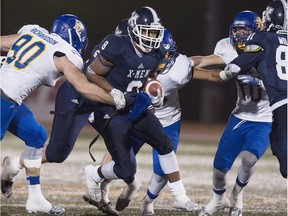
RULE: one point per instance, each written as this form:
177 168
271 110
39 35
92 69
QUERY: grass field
64 184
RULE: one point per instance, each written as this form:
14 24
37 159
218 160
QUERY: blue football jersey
131 69
270 61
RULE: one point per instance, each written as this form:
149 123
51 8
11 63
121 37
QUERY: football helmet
121 29
274 17
170 49
72 29
145 29
244 23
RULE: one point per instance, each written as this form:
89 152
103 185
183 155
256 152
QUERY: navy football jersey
271 62
131 69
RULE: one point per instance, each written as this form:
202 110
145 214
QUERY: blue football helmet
145 29
170 49
244 23
274 17
72 29
122 28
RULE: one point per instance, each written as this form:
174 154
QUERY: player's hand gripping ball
155 91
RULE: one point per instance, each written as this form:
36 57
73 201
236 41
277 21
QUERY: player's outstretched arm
80 82
7 41
208 75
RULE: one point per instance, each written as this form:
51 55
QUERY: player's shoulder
224 42
260 41
31 27
223 45
113 44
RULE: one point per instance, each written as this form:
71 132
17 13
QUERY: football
151 86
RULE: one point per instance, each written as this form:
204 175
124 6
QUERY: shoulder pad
252 48
112 44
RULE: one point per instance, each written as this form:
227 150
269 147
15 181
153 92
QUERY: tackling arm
7 41
205 61
79 81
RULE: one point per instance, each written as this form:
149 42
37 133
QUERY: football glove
229 71
158 100
118 98
248 80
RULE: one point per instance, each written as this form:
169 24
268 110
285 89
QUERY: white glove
229 71
158 100
118 98
249 80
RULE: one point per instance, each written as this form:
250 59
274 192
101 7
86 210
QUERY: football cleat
236 203
217 203
107 208
147 208
235 212
187 205
203 212
127 195
10 169
93 194
42 205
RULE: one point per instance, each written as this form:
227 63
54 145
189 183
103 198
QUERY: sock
178 190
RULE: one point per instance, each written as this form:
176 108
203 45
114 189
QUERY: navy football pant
116 131
71 114
278 137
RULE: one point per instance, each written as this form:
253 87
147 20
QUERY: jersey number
281 60
25 51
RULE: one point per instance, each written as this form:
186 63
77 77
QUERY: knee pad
32 157
107 170
248 160
169 163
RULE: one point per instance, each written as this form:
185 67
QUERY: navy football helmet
72 29
122 28
145 29
170 49
275 16
244 23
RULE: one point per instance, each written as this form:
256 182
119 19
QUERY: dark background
196 26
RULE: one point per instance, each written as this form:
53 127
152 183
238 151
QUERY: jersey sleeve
111 48
225 50
27 28
179 74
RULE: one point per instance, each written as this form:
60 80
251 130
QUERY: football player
267 51
71 113
174 71
42 58
249 125
123 64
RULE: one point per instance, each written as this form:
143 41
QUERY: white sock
35 192
178 191
94 175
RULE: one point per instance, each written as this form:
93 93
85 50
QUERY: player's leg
34 135
159 179
278 137
10 168
117 140
257 142
154 135
229 147
70 115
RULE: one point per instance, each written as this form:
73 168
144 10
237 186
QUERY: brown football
151 86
